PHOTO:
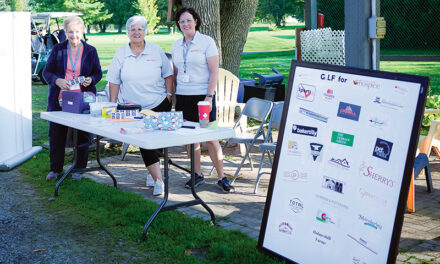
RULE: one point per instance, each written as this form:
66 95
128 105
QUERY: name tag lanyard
185 55
73 65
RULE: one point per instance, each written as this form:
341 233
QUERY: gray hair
73 20
136 20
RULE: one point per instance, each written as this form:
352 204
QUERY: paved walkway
420 239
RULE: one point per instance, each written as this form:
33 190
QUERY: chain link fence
412 26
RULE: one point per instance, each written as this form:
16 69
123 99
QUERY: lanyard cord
185 55
73 65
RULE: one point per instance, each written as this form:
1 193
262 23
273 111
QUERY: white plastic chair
269 144
226 98
259 110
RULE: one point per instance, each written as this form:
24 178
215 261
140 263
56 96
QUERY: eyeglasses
132 30
183 21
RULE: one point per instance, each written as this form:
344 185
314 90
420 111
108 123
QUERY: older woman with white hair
140 73
68 60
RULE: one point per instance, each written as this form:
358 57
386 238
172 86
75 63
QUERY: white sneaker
158 188
149 182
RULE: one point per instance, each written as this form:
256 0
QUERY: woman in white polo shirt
140 73
196 63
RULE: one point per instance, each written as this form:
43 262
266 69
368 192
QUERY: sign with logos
342 165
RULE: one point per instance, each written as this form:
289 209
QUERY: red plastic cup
203 113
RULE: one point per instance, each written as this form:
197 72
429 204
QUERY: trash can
243 82
270 87
262 92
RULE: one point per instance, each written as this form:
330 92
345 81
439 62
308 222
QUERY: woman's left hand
87 81
209 99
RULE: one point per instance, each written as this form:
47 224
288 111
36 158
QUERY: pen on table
192 127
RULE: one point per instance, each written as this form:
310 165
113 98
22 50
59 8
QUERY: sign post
343 165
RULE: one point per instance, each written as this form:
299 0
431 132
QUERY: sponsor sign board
346 149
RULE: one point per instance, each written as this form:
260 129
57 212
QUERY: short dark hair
192 12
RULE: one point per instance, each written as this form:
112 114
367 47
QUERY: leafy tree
162 12
277 11
148 9
93 11
16 5
121 10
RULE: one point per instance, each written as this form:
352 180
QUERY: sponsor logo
362 242
312 114
367 84
296 205
293 148
285 228
368 171
387 103
339 163
382 149
328 95
349 111
378 122
324 217
315 150
295 176
306 92
333 184
370 223
400 89
374 200
342 138
304 130
321 238
331 202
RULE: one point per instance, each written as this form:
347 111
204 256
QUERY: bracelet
169 94
210 95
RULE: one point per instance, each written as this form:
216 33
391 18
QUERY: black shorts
188 105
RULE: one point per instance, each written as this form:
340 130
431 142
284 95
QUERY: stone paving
420 237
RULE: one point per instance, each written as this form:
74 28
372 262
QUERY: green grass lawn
123 214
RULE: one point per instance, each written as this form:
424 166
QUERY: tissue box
165 120
73 102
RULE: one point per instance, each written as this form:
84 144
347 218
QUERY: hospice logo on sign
304 130
306 92
349 111
382 149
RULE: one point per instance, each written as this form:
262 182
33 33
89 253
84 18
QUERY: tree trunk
236 19
209 12
120 28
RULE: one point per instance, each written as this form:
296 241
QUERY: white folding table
148 140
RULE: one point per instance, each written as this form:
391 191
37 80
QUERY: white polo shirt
142 78
199 50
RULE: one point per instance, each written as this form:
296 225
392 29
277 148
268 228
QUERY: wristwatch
210 95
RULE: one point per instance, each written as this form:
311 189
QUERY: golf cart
43 39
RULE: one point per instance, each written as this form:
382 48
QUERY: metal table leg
75 158
163 208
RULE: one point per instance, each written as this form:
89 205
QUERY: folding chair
269 144
259 110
